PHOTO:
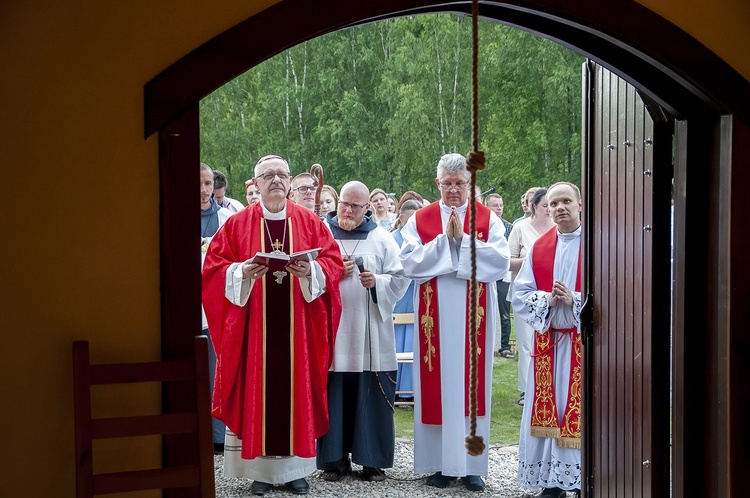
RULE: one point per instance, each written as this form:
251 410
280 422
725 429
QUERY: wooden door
627 178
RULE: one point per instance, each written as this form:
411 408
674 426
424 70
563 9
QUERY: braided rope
475 161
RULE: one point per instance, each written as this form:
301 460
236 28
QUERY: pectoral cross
277 246
279 275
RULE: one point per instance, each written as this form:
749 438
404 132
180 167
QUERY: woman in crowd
522 237
252 194
409 195
379 206
329 200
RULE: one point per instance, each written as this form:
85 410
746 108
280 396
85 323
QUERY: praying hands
454 229
560 292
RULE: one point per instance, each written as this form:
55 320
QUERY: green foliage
383 101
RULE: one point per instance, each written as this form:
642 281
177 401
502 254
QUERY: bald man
362 380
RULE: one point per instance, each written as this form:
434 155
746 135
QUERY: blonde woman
522 237
329 200
379 206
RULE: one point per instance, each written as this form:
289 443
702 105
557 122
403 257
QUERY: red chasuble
273 354
429 226
544 422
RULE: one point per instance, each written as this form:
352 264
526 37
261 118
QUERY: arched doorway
678 74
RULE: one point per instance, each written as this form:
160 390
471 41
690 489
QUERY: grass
506 413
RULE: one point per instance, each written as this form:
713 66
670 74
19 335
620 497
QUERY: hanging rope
475 162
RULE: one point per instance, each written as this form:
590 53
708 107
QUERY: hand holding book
279 261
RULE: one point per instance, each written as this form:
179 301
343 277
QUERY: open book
279 260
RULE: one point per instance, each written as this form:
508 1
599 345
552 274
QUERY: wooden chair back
403 318
198 475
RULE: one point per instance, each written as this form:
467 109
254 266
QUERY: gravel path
401 482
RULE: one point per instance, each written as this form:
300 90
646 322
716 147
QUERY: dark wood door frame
678 73
681 74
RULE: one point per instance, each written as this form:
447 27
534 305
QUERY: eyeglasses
305 189
354 207
453 186
269 176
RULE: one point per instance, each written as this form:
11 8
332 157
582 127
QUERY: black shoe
299 486
553 493
218 448
473 483
260 488
438 480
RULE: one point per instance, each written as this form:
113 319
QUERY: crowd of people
303 346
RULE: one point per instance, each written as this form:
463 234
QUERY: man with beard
362 380
547 296
436 253
273 333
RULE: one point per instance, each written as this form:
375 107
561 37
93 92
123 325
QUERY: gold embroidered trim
263 358
427 322
291 340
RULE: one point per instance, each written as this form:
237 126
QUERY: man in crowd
303 190
212 217
548 297
525 200
362 381
436 253
220 189
273 333
495 203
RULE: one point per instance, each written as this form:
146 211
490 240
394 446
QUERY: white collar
447 209
273 216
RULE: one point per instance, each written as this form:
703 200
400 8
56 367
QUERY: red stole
429 226
544 422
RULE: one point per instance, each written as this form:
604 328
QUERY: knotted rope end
474 445
475 161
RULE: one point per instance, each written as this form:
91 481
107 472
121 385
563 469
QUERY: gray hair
452 163
269 157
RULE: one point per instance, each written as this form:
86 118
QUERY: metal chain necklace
349 254
277 246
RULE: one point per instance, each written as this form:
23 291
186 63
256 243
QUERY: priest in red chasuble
547 296
273 330
436 253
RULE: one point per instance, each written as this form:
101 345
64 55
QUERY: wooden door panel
621 171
